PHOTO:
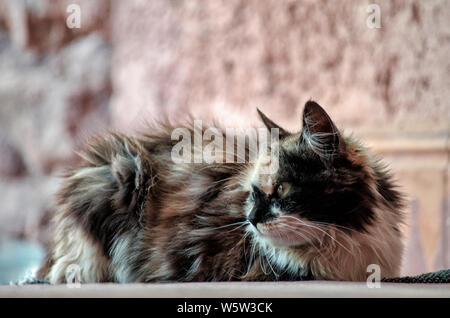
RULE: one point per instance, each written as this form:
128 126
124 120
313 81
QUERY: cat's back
128 195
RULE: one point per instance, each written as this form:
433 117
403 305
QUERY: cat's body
131 214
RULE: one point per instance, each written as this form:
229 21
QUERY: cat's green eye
283 189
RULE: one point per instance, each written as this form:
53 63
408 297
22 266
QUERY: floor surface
230 290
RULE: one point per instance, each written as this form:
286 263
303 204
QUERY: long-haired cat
129 213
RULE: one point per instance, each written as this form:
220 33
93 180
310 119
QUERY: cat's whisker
321 230
261 261
336 228
238 227
231 185
268 260
344 235
281 236
242 223
252 257
315 227
243 238
332 227
324 259
302 235
307 230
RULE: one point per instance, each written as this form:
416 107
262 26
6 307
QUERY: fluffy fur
130 214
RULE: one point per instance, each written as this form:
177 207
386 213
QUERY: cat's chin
269 233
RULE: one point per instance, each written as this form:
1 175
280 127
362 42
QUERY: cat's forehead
290 142
296 161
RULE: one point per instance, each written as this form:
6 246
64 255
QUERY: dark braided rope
439 277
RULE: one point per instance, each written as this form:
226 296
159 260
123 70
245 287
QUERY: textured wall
237 55
54 91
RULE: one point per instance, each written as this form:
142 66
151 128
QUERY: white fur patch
122 258
74 248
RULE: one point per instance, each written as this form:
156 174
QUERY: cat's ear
319 132
270 124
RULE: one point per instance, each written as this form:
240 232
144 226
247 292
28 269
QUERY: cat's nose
258 215
260 211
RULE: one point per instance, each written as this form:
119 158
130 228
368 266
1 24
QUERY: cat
128 213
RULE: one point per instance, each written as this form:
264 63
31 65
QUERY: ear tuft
128 170
270 124
319 131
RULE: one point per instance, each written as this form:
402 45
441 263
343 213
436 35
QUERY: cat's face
322 183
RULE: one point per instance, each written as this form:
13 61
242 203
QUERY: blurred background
131 61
